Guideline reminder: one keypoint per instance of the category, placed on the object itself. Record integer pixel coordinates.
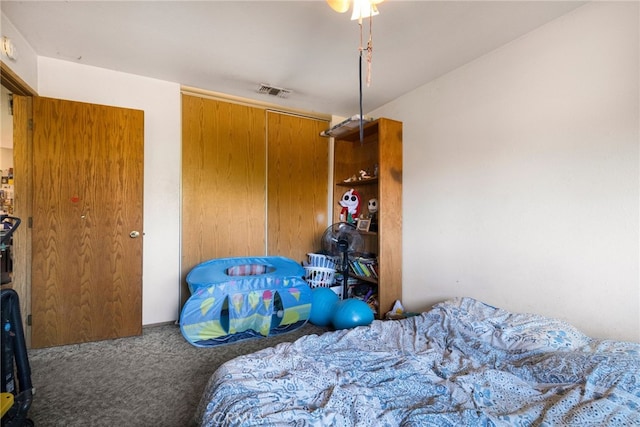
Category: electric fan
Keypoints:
(340, 240)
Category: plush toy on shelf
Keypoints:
(350, 203)
(373, 206)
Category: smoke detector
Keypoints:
(8, 48)
(274, 91)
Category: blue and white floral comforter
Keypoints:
(463, 363)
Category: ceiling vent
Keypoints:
(274, 91)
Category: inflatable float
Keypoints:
(233, 299)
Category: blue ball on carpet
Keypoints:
(350, 313)
(323, 304)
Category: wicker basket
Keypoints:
(319, 276)
(320, 260)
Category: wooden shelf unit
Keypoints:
(381, 146)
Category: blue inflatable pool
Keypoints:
(239, 298)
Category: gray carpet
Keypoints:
(152, 380)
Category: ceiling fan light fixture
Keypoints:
(364, 9)
(340, 6)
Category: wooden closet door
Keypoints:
(297, 182)
(223, 182)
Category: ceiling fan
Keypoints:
(361, 8)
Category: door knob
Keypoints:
(134, 234)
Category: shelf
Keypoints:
(352, 134)
(357, 182)
(346, 127)
(380, 145)
(365, 278)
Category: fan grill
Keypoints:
(340, 241)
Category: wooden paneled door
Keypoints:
(298, 171)
(223, 182)
(87, 222)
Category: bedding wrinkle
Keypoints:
(463, 363)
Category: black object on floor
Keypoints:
(16, 372)
(15, 382)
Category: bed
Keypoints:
(461, 363)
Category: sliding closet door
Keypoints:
(254, 182)
(297, 171)
(223, 181)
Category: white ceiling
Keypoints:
(233, 46)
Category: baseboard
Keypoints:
(154, 325)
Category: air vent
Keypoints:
(274, 91)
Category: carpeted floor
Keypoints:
(153, 380)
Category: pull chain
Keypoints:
(369, 50)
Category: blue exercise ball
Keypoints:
(350, 313)
(323, 301)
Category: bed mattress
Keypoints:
(461, 363)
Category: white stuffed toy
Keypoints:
(350, 203)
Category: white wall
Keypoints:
(521, 177)
(6, 132)
(25, 62)
(160, 101)
(6, 120)
(6, 142)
